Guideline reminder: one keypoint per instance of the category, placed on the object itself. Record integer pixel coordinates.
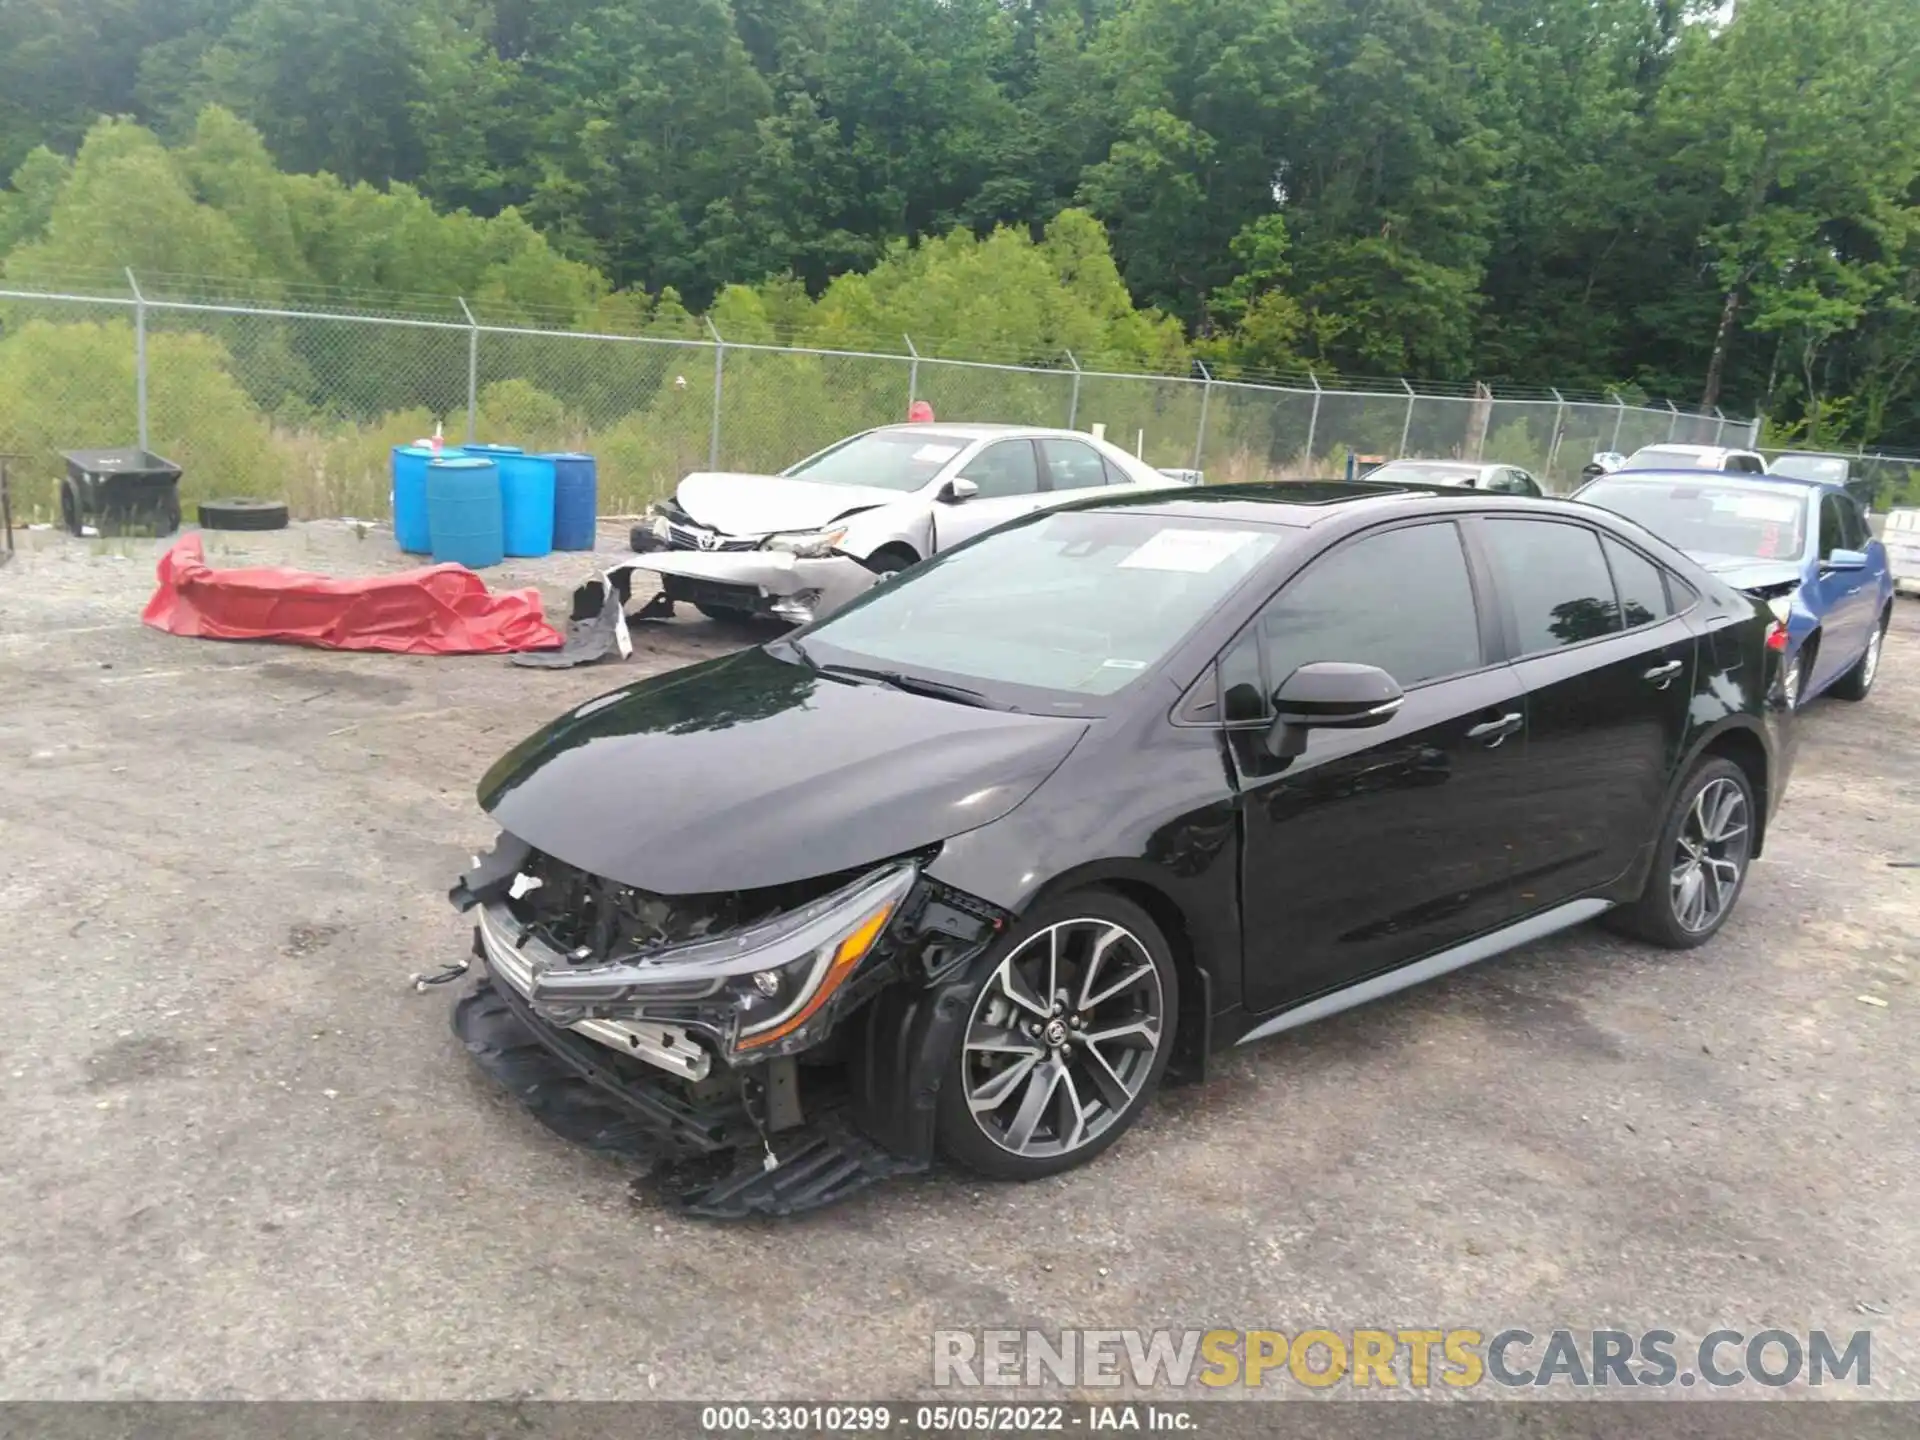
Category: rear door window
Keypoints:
(1639, 583)
(1556, 582)
(1071, 465)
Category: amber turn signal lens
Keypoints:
(848, 954)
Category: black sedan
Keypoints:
(970, 864)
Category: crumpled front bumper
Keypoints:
(772, 583)
(730, 1134)
(701, 1153)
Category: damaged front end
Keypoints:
(782, 1044)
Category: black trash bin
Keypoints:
(120, 490)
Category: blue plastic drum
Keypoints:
(526, 503)
(410, 463)
(575, 501)
(464, 512)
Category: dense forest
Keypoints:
(1711, 202)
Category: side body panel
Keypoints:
(1606, 723)
(1376, 847)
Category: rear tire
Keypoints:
(1855, 684)
(1700, 862)
(1041, 1085)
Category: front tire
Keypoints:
(890, 560)
(1700, 864)
(1855, 684)
(1069, 1028)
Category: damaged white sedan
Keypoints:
(799, 545)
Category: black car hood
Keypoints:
(747, 771)
(1745, 574)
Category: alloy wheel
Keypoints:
(1063, 1037)
(1710, 855)
(1870, 662)
(1790, 686)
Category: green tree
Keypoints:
(335, 87)
(652, 118)
(128, 203)
(1798, 122)
(1205, 93)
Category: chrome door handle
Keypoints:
(1661, 676)
(1492, 732)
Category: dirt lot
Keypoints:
(242, 1158)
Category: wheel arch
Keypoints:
(1809, 649)
(872, 530)
(893, 549)
(1192, 964)
(1743, 746)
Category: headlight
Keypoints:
(657, 524)
(806, 544)
(778, 975)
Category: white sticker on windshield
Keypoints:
(936, 454)
(1767, 507)
(1194, 551)
(1106, 665)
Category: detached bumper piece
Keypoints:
(705, 1157)
(820, 1164)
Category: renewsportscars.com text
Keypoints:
(1411, 1358)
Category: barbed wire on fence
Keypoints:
(265, 387)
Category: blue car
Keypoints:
(1801, 546)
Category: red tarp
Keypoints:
(437, 610)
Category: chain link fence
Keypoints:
(255, 393)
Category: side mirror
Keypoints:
(1844, 560)
(1330, 695)
(958, 489)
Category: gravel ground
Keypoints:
(243, 1158)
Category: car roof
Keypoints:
(1730, 479)
(1688, 448)
(1302, 504)
(1475, 466)
(970, 431)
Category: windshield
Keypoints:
(884, 459)
(1074, 603)
(1810, 467)
(1711, 522)
(1668, 457)
(1423, 472)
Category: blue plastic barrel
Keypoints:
(463, 511)
(410, 528)
(494, 450)
(526, 503)
(575, 501)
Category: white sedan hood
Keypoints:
(761, 504)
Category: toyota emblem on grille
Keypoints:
(709, 541)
